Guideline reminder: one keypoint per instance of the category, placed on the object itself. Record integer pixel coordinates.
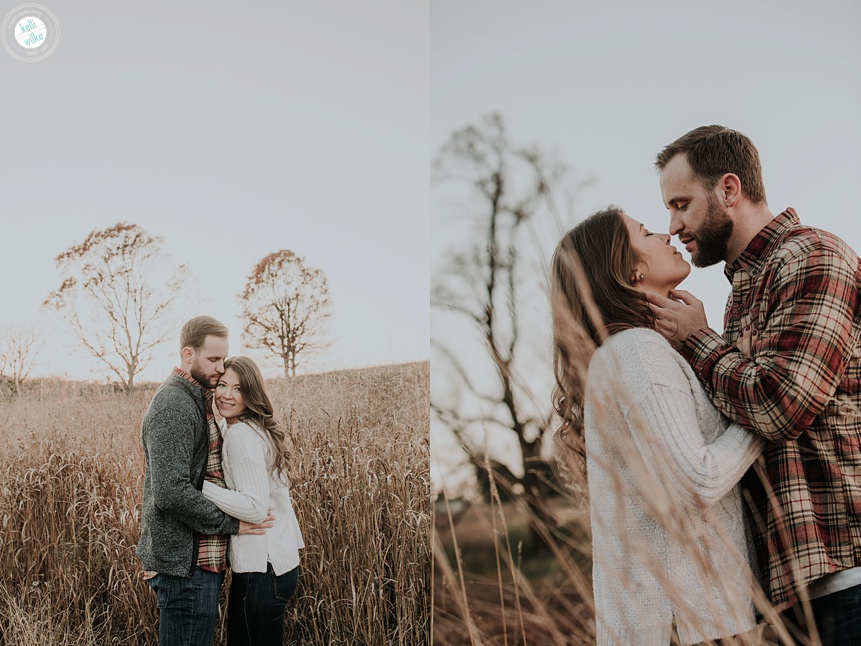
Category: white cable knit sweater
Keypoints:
(668, 531)
(252, 491)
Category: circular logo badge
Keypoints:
(30, 32)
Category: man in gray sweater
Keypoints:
(183, 545)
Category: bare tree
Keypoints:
(18, 351)
(117, 292)
(485, 285)
(285, 304)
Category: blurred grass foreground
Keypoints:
(507, 573)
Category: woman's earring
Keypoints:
(642, 277)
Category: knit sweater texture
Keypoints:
(670, 539)
(252, 492)
(175, 440)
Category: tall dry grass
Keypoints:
(71, 478)
(496, 581)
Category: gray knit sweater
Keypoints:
(668, 530)
(175, 439)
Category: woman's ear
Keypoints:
(637, 276)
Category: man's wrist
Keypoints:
(699, 347)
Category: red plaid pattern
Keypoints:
(212, 553)
(800, 289)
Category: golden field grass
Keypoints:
(495, 582)
(71, 479)
(498, 581)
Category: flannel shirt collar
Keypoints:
(757, 251)
(207, 393)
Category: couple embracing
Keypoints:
(718, 465)
(216, 485)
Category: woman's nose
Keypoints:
(665, 237)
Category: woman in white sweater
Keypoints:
(266, 567)
(669, 535)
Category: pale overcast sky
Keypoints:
(232, 131)
(606, 84)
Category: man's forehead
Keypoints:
(214, 344)
(678, 179)
(677, 169)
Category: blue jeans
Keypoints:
(837, 615)
(255, 608)
(187, 607)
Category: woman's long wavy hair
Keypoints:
(259, 411)
(592, 297)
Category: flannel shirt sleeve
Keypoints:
(799, 357)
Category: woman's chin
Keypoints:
(674, 286)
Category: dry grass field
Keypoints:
(71, 478)
(499, 579)
(496, 582)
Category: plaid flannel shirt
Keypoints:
(799, 288)
(212, 554)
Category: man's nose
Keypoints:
(219, 367)
(676, 224)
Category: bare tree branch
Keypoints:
(18, 350)
(462, 372)
(117, 290)
(285, 305)
(483, 282)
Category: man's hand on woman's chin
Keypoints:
(679, 316)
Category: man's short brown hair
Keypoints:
(714, 151)
(195, 331)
